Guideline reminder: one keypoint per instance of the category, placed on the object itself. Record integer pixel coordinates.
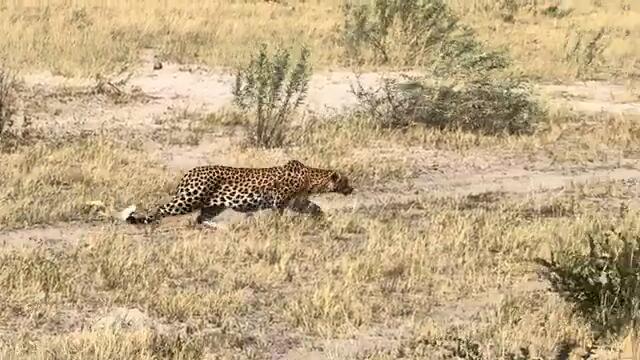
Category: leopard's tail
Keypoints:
(130, 216)
(127, 213)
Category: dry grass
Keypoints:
(51, 182)
(269, 284)
(409, 266)
(105, 345)
(548, 47)
(57, 181)
(288, 277)
(88, 38)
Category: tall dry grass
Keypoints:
(90, 37)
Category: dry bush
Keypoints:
(584, 49)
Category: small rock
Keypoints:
(157, 65)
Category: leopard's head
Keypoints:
(332, 182)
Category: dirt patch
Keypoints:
(507, 181)
(120, 319)
(520, 180)
(53, 236)
(363, 343)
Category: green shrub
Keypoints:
(268, 90)
(477, 95)
(489, 107)
(603, 282)
(10, 135)
(414, 32)
(7, 106)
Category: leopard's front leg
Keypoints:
(303, 205)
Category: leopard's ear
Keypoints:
(335, 176)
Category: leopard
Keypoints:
(212, 189)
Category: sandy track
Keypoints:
(178, 87)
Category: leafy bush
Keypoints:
(7, 106)
(604, 283)
(488, 107)
(268, 90)
(13, 134)
(476, 97)
(414, 32)
(10, 136)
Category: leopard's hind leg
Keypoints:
(174, 207)
(207, 213)
(183, 202)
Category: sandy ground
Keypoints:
(174, 88)
(191, 88)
